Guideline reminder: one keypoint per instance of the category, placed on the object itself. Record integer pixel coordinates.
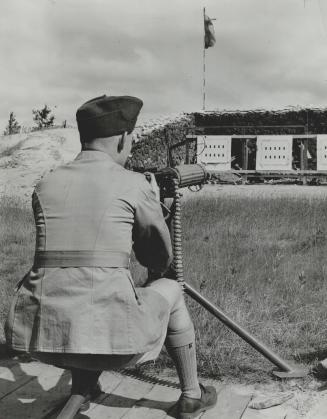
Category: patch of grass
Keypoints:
(262, 261)
(16, 249)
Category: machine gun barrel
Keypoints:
(185, 174)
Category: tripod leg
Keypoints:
(286, 370)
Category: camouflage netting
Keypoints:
(151, 149)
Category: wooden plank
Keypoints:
(187, 152)
(109, 381)
(293, 173)
(242, 137)
(36, 398)
(290, 173)
(118, 403)
(304, 154)
(245, 154)
(156, 405)
(230, 405)
(14, 375)
(309, 136)
(245, 158)
(304, 158)
(160, 403)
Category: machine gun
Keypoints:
(185, 175)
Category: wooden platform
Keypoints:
(33, 390)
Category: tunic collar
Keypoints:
(93, 155)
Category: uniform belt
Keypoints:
(81, 258)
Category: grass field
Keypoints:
(263, 261)
(16, 248)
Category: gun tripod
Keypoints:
(285, 370)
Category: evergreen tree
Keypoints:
(43, 117)
(13, 126)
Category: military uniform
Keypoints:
(79, 297)
(78, 307)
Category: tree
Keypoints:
(43, 117)
(13, 126)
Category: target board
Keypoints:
(214, 151)
(322, 152)
(274, 152)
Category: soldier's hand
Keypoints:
(153, 183)
(168, 210)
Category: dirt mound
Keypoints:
(25, 158)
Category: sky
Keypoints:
(268, 54)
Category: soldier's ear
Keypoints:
(121, 142)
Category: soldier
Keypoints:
(78, 307)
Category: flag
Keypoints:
(209, 33)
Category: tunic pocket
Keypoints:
(22, 326)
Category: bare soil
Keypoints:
(25, 158)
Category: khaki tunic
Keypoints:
(92, 206)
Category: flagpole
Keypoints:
(204, 66)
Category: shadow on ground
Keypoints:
(22, 395)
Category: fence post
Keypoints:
(304, 158)
(245, 158)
